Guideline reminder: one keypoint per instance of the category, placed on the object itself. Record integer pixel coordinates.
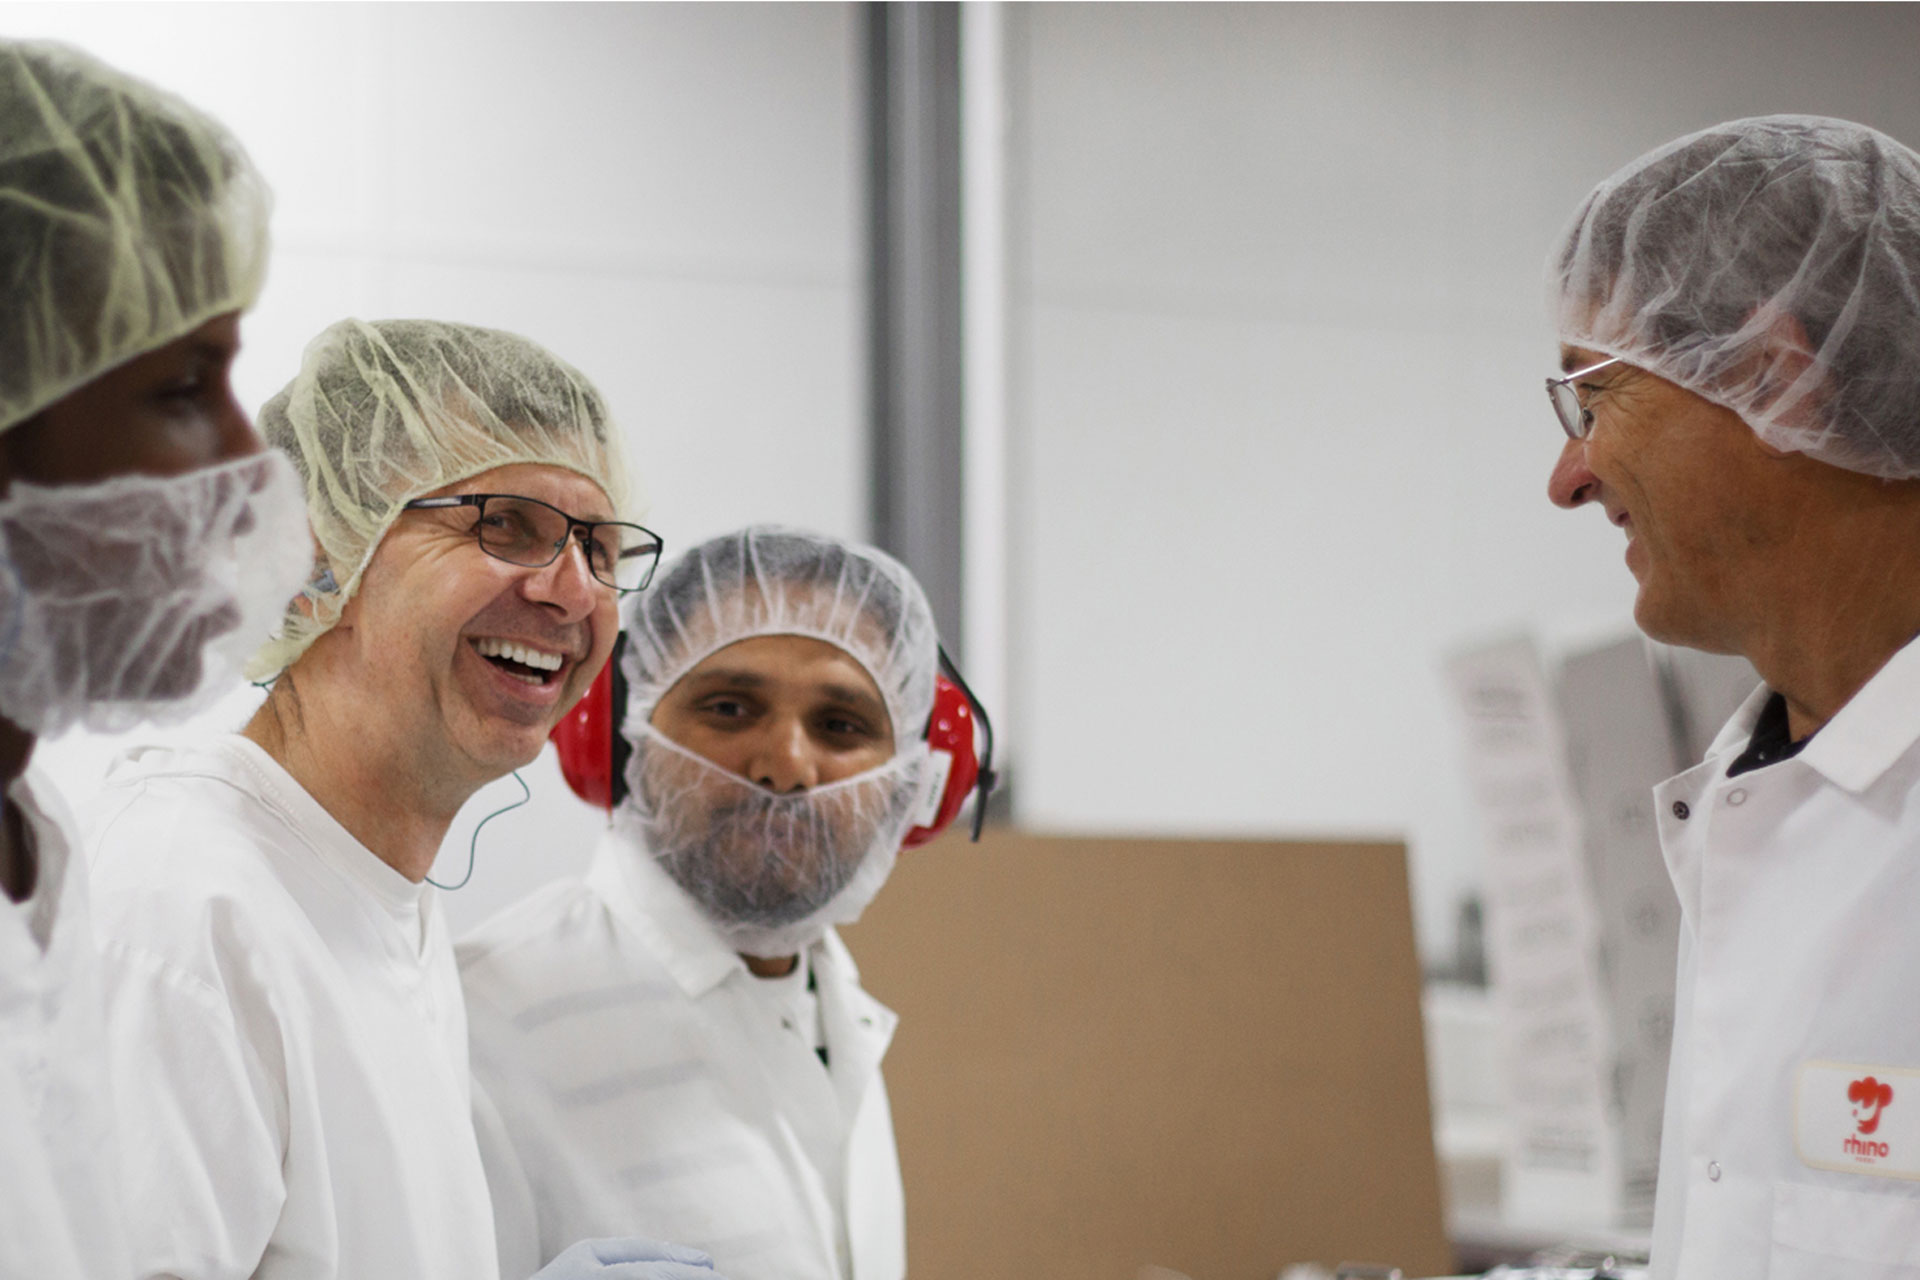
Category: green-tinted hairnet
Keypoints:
(127, 220)
(384, 412)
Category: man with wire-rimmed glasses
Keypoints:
(1739, 317)
(287, 1019)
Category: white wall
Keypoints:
(1279, 435)
(665, 195)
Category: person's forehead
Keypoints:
(573, 493)
(790, 660)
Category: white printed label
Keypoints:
(937, 775)
(1858, 1119)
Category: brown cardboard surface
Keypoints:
(1116, 1054)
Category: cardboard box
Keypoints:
(1117, 1054)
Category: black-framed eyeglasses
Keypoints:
(532, 534)
(1575, 418)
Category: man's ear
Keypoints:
(320, 582)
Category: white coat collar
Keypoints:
(240, 763)
(1738, 730)
(859, 1028)
(1876, 727)
(671, 925)
(660, 913)
(59, 878)
(269, 781)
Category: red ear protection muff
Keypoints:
(957, 768)
(579, 737)
(593, 755)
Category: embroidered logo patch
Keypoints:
(1869, 1098)
(1845, 1119)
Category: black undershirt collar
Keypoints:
(1772, 740)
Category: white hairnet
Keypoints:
(127, 220)
(1691, 261)
(773, 870)
(767, 580)
(386, 411)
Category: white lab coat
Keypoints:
(672, 1086)
(286, 1034)
(1799, 885)
(59, 1190)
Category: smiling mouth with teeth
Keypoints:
(527, 665)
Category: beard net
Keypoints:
(385, 412)
(1688, 261)
(770, 871)
(774, 871)
(140, 597)
(127, 219)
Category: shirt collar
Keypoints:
(1738, 730)
(410, 908)
(1876, 727)
(659, 912)
(59, 876)
(269, 782)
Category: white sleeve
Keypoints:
(60, 1208)
(202, 1115)
(546, 1196)
(40, 1238)
(516, 1221)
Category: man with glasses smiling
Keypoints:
(285, 1020)
(1739, 316)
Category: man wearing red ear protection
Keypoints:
(679, 1042)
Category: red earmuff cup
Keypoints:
(584, 741)
(949, 730)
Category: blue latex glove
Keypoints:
(628, 1258)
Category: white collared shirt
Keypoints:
(1799, 982)
(60, 1207)
(638, 1081)
(286, 1034)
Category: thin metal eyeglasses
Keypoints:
(532, 534)
(1575, 417)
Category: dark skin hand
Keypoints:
(164, 413)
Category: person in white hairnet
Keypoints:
(1739, 317)
(146, 545)
(287, 1037)
(679, 1043)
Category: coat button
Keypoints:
(1713, 1171)
(1737, 796)
(1680, 810)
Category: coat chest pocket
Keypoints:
(1824, 1233)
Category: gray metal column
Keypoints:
(913, 293)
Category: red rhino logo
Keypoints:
(1869, 1098)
